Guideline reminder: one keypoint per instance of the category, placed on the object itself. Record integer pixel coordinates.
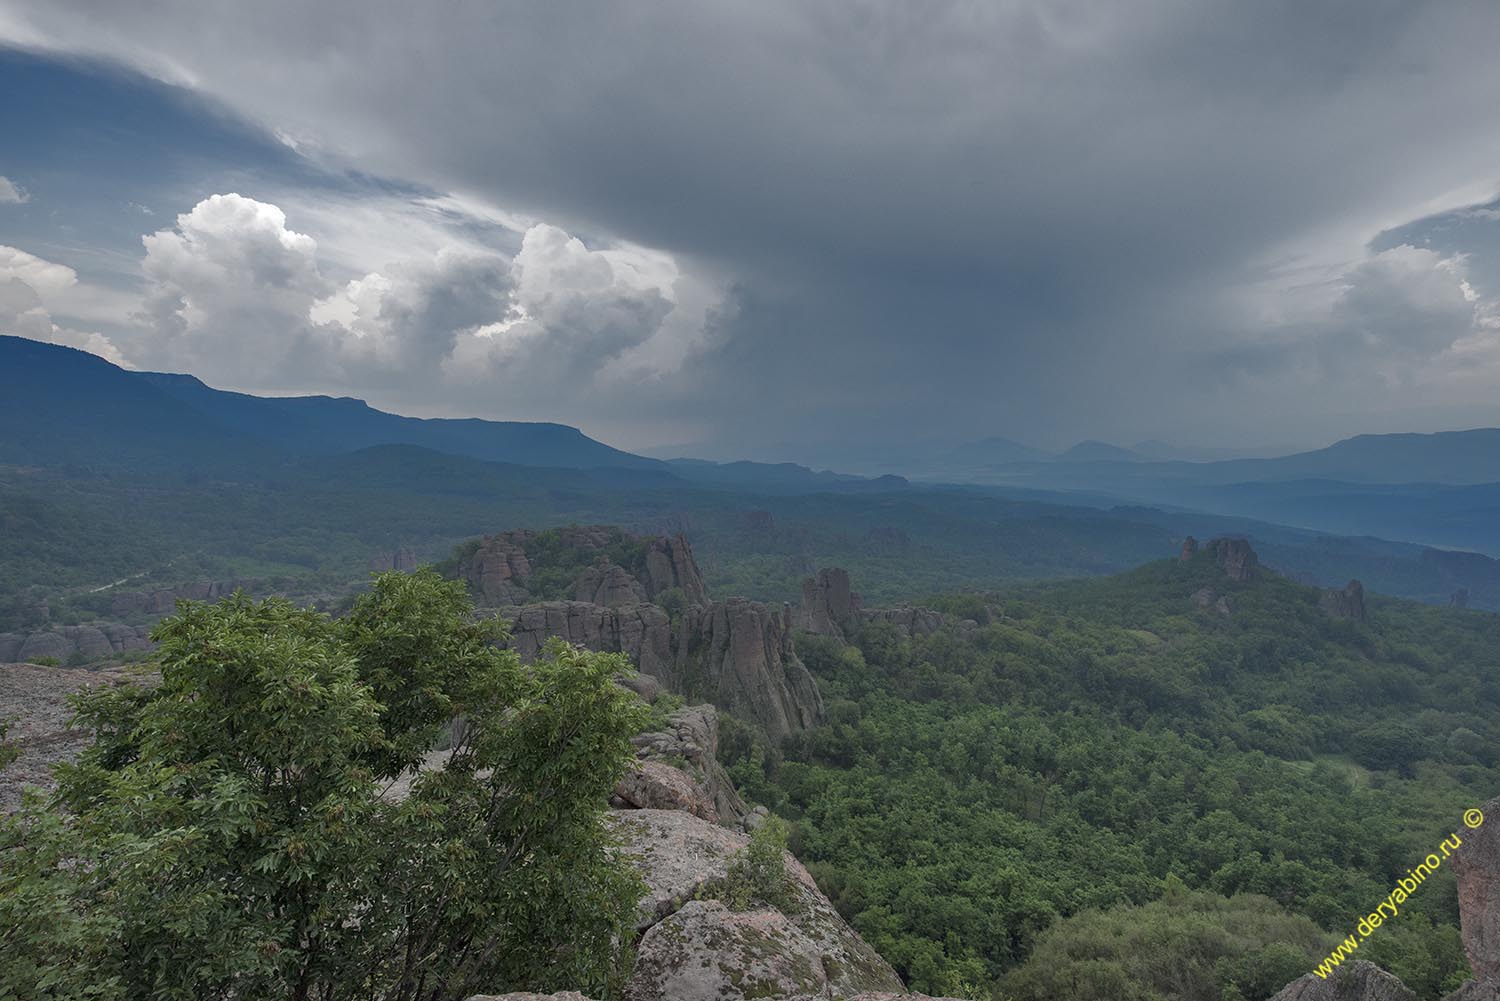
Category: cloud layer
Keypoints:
(865, 220)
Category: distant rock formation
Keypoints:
(1189, 549)
(1345, 603)
(497, 569)
(1459, 598)
(643, 632)
(608, 584)
(164, 600)
(1477, 865)
(738, 654)
(828, 607)
(1235, 556)
(1357, 980)
(403, 559)
(1207, 597)
(65, 643)
(669, 564)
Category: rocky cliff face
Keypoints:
(610, 585)
(669, 564)
(66, 643)
(164, 600)
(830, 608)
(738, 654)
(1345, 603)
(498, 568)
(1477, 865)
(691, 737)
(1235, 556)
(694, 947)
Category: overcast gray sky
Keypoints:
(775, 229)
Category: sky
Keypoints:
(779, 229)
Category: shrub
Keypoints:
(231, 833)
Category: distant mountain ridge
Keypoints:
(61, 406)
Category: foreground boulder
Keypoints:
(1354, 981)
(696, 948)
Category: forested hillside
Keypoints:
(979, 791)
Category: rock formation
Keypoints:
(66, 643)
(1459, 598)
(1189, 549)
(642, 632)
(1358, 980)
(1477, 865)
(403, 559)
(656, 785)
(1235, 556)
(692, 737)
(669, 564)
(498, 568)
(1348, 603)
(164, 600)
(1207, 597)
(828, 607)
(739, 655)
(610, 585)
(693, 947)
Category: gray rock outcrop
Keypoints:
(1358, 980)
(610, 585)
(669, 564)
(642, 632)
(1189, 549)
(828, 607)
(497, 569)
(35, 701)
(692, 738)
(1235, 556)
(1477, 865)
(1459, 598)
(738, 654)
(695, 948)
(1345, 603)
(65, 643)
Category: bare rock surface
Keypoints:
(1354, 981)
(698, 949)
(1345, 603)
(739, 654)
(63, 643)
(525, 996)
(692, 737)
(1235, 556)
(642, 632)
(828, 606)
(669, 564)
(34, 701)
(1477, 865)
(610, 585)
(656, 785)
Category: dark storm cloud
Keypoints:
(1046, 219)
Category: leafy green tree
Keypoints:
(240, 830)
